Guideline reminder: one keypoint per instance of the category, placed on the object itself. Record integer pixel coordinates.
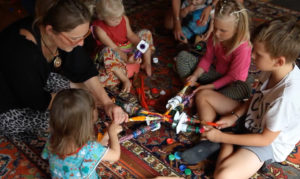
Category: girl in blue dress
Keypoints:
(72, 149)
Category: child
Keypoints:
(191, 11)
(72, 150)
(224, 67)
(272, 116)
(112, 29)
(177, 17)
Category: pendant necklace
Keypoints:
(57, 60)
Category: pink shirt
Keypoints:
(233, 67)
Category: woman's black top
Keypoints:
(24, 70)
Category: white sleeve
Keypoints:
(279, 115)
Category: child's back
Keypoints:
(72, 150)
(82, 163)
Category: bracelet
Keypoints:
(236, 115)
(177, 18)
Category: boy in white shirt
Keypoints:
(272, 116)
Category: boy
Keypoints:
(272, 126)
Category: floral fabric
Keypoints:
(78, 165)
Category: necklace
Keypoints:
(57, 60)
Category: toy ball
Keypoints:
(170, 141)
(182, 167)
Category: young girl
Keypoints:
(112, 29)
(225, 65)
(72, 150)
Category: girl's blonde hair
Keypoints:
(71, 119)
(237, 10)
(109, 8)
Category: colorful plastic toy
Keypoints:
(142, 47)
(139, 132)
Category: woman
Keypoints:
(42, 56)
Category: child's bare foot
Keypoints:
(126, 86)
(147, 68)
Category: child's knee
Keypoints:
(203, 94)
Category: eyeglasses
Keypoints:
(75, 40)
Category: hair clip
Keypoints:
(236, 12)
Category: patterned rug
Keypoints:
(147, 156)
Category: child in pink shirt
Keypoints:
(225, 65)
(224, 68)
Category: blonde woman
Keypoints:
(112, 30)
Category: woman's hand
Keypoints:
(212, 134)
(226, 121)
(116, 113)
(177, 31)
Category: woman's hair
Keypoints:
(109, 8)
(71, 119)
(225, 8)
(62, 15)
(281, 37)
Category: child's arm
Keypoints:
(206, 12)
(210, 29)
(230, 119)
(185, 11)
(132, 37)
(259, 139)
(114, 152)
(105, 39)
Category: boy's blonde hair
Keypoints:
(109, 8)
(281, 37)
(237, 10)
(71, 119)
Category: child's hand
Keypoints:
(226, 121)
(201, 87)
(126, 86)
(132, 60)
(204, 16)
(192, 79)
(114, 128)
(191, 8)
(212, 134)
